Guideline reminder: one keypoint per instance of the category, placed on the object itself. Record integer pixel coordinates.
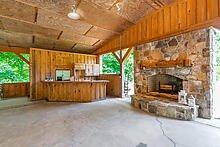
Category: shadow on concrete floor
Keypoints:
(16, 102)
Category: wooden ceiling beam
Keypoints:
(33, 39)
(152, 6)
(36, 14)
(96, 42)
(157, 3)
(88, 30)
(61, 32)
(14, 49)
(38, 34)
(115, 2)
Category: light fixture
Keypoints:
(74, 15)
(120, 4)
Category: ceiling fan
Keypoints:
(73, 14)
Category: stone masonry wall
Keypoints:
(195, 46)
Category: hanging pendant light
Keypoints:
(74, 15)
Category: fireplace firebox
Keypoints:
(163, 83)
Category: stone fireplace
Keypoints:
(164, 67)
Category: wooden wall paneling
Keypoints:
(131, 34)
(31, 73)
(139, 32)
(44, 62)
(212, 9)
(154, 23)
(146, 30)
(37, 74)
(113, 88)
(201, 10)
(191, 12)
(218, 7)
(160, 22)
(127, 37)
(167, 19)
(43, 71)
(149, 29)
(174, 17)
(142, 29)
(15, 90)
(182, 15)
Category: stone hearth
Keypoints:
(164, 107)
(185, 61)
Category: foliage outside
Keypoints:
(110, 65)
(13, 69)
(218, 56)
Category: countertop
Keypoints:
(86, 81)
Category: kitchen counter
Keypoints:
(85, 81)
(75, 91)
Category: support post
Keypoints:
(122, 73)
(121, 59)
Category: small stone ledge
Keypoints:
(166, 108)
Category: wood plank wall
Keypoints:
(14, 90)
(45, 62)
(179, 17)
(114, 86)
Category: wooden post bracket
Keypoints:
(116, 56)
(122, 58)
(128, 52)
(22, 58)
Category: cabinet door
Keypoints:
(96, 69)
(89, 70)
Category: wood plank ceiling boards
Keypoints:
(44, 23)
(178, 17)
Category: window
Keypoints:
(63, 75)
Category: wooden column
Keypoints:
(121, 59)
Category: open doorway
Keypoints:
(14, 77)
(118, 68)
(129, 74)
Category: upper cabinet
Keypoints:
(90, 69)
(79, 66)
(96, 69)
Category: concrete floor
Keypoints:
(15, 102)
(109, 123)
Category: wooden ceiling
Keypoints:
(44, 23)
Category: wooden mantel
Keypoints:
(165, 64)
(178, 17)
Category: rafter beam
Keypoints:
(14, 49)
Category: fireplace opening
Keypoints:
(163, 83)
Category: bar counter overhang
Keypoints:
(75, 91)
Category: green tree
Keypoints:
(13, 69)
(110, 65)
